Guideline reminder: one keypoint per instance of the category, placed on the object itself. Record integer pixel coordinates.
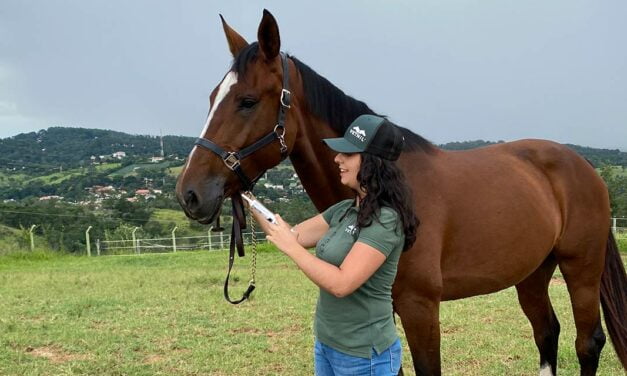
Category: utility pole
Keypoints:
(161, 134)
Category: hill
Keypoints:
(62, 148)
(59, 148)
(598, 157)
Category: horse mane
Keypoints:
(327, 101)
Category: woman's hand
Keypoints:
(282, 236)
(259, 218)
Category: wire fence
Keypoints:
(619, 228)
(210, 242)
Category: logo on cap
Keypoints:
(359, 133)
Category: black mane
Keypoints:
(327, 101)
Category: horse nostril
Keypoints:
(191, 199)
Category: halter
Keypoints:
(232, 160)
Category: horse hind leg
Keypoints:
(533, 296)
(582, 274)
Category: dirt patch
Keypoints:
(254, 331)
(55, 354)
(294, 328)
(152, 359)
(451, 329)
(280, 339)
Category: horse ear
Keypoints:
(236, 41)
(268, 36)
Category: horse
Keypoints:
(490, 218)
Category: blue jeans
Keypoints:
(330, 362)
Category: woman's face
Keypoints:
(349, 168)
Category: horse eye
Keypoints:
(247, 103)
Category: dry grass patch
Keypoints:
(55, 354)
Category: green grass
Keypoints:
(10, 239)
(11, 178)
(165, 314)
(52, 178)
(134, 168)
(617, 171)
(622, 245)
(176, 216)
(175, 171)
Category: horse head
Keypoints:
(243, 135)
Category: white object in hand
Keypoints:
(258, 206)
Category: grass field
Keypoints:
(52, 178)
(165, 315)
(135, 168)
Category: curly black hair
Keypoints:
(385, 185)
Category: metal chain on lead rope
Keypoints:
(253, 265)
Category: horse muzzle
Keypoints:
(201, 202)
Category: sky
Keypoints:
(451, 70)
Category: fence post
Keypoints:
(87, 241)
(134, 239)
(32, 239)
(174, 239)
(221, 239)
(614, 225)
(98, 246)
(209, 238)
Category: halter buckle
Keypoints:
(232, 160)
(286, 98)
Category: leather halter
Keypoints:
(232, 160)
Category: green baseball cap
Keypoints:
(370, 134)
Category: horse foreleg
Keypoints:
(533, 295)
(421, 322)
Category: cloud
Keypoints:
(11, 120)
(8, 109)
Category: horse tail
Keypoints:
(614, 299)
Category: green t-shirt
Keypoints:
(363, 320)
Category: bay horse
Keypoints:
(490, 218)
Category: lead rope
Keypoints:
(253, 265)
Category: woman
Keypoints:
(358, 243)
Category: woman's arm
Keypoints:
(310, 231)
(359, 265)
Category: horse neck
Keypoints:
(314, 164)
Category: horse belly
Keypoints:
(499, 232)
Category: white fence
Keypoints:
(211, 241)
(619, 228)
(221, 240)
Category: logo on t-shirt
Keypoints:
(350, 229)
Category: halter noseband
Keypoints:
(232, 158)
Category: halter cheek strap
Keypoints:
(232, 159)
